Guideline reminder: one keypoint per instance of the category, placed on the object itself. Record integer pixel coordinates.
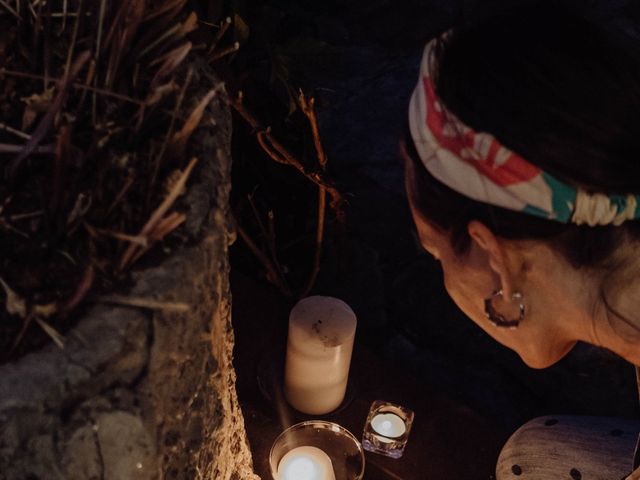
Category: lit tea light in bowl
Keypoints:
(387, 429)
(316, 450)
(306, 463)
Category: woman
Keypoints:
(523, 176)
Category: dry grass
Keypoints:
(92, 126)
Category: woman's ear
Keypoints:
(494, 250)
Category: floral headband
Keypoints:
(477, 166)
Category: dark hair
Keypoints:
(558, 88)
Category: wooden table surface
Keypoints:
(448, 441)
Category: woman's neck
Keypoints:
(615, 317)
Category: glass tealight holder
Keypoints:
(387, 429)
(316, 450)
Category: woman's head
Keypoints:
(562, 92)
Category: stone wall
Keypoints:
(139, 393)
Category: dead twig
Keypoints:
(170, 60)
(14, 303)
(10, 10)
(10, 148)
(269, 235)
(172, 31)
(224, 26)
(272, 271)
(148, 303)
(169, 9)
(82, 289)
(25, 326)
(278, 153)
(47, 120)
(101, 14)
(91, 71)
(159, 213)
(164, 227)
(64, 14)
(56, 336)
(74, 35)
(81, 86)
(315, 269)
(181, 137)
(123, 191)
(15, 131)
(26, 216)
(94, 232)
(225, 51)
(308, 109)
(169, 135)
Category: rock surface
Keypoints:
(140, 394)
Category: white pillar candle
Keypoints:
(389, 426)
(319, 347)
(306, 463)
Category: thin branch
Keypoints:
(10, 10)
(322, 201)
(91, 71)
(309, 111)
(101, 13)
(138, 240)
(308, 108)
(225, 51)
(158, 214)
(125, 188)
(26, 216)
(181, 137)
(20, 335)
(47, 120)
(221, 31)
(86, 282)
(164, 227)
(278, 153)
(264, 142)
(170, 130)
(82, 86)
(256, 215)
(56, 336)
(64, 12)
(269, 235)
(272, 272)
(173, 30)
(74, 35)
(15, 131)
(141, 302)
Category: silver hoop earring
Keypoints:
(498, 319)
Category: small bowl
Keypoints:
(342, 448)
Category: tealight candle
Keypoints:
(387, 429)
(389, 426)
(319, 347)
(306, 463)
